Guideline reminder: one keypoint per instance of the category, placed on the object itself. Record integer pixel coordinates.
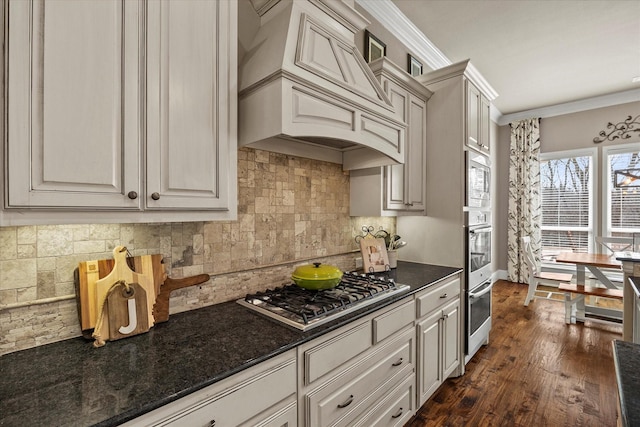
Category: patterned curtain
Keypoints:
(524, 196)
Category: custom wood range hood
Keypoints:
(305, 89)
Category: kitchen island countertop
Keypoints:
(70, 383)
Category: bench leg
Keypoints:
(573, 308)
(568, 308)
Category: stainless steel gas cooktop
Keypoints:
(305, 309)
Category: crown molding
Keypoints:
(388, 14)
(574, 107)
(392, 18)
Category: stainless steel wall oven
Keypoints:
(478, 318)
(478, 282)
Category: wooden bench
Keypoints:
(571, 304)
(591, 290)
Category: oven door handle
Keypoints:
(481, 293)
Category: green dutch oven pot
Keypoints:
(317, 277)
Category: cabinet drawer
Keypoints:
(333, 404)
(430, 299)
(229, 405)
(284, 415)
(396, 409)
(393, 320)
(330, 355)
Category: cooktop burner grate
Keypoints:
(304, 308)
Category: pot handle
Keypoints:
(317, 264)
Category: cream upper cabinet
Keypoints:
(188, 114)
(397, 189)
(128, 108)
(478, 119)
(73, 102)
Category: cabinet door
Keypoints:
(415, 164)
(191, 139)
(395, 194)
(636, 319)
(405, 183)
(478, 119)
(473, 116)
(429, 361)
(485, 124)
(73, 104)
(451, 338)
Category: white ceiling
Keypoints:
(537, 53)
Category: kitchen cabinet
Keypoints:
(263, 395)
(478, 119)
(439, 336)
(401, 188)
(634, 284)
(363, 371)
(447, 148)
(128, 108)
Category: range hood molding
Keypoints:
(305, 90)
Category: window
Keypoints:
(566, 198)
(622, 217)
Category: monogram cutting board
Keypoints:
(89, 273)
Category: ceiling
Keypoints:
(538, 53)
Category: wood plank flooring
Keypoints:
(536, 371)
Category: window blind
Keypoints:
(565, 186)
(624, 202)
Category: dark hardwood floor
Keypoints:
(536, 371)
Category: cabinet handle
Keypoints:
(212, 423)
(397, 413)
(155, 196)
(445, 316)
(408, 204)
(398, 363)
(346, 403)
(444, 295)
(132, 195)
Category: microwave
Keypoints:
(478, 182)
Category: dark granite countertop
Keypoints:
(626, 356)
(70, 383)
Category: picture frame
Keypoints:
(374, 255)
(415, 66)
(374, 48)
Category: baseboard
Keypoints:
(499, 275)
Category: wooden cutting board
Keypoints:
(122, 273)
(89, 272)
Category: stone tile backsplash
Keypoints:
(290, 210)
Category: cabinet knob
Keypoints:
(346, 403)
(155, 196)
(132, 195)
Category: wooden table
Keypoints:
(594, 263)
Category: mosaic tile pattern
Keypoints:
(290, 211)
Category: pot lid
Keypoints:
(317, 271)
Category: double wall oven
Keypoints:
(478, 232)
